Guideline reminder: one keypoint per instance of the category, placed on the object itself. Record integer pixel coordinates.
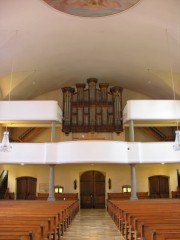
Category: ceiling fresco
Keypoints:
(91, 8)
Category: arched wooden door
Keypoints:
(159, 186)
(92, 190)
(26, 188)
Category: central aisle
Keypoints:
(92, 224)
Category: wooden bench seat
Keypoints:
(165, 235)
(136, 230)
(58, 196)
(138, 219)
(126, 195)
(43, 227)
(135, 222)
(123, 215)
(18, 235)
(46, 220)
(22, 230)
(151, 228)
(47, 223)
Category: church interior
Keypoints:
(89, 100)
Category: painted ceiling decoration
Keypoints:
(91, 8)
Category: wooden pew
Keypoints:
(165, 235)
(55, 217)
(47, 222)
(145, 213)
(16, 236)
(153, 221)
(126, 195)
(58, 196)
(21, 232)
(135, 221)
(175, 194)
(151, 230)
(138, 229)
(41, 228)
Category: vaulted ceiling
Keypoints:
(43, 49)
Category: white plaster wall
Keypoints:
(119, 173)
(41, 172)
(53, 95)
(131, 95)
(139, 135)
(45, 136)
(146, 170)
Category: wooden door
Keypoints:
(92, 190)
(159, 186)
(26, 188)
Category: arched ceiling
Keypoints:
(43, 49)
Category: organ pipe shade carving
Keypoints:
(89, 108)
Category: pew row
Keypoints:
(36, 220)
(146, 219)
(126, 195)
(58, 196)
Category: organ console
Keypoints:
(92, 109)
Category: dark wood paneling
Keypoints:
(26, 188)
(159, 186)
(92, 190)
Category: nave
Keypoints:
(92, 224)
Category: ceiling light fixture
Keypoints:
(176, 145)
(5, 145)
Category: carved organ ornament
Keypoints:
(92, 109)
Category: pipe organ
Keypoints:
(92, 108)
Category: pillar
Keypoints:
(51, 167)
(131, 131)
(133, 166)
(133, 182)
(51, 183)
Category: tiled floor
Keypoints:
(92, 224)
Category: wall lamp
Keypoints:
(109, 183)
(75, 184)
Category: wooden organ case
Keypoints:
(92, 109)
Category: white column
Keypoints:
(51, 167)
(51, 183)
(131, 131)
(133, 166)
(133, 182)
